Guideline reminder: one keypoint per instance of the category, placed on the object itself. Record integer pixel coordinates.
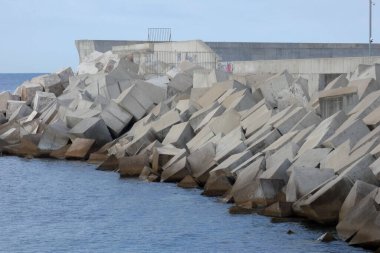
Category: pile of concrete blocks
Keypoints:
(267, 146)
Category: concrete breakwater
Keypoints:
(260, 142)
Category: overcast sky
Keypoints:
(39, 35)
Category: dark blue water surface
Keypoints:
(64, 206)
(10, 82)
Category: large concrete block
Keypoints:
(359, 226)
(230, 144)
(217, 91)
(179, 135)
(201, 161)
(358, 192)
(285, 124)
(287, 152)
(323, 131)
(244, 187)
(176, 171)
(310, 158)
(310, 119)
(42, 99)
(274, 85)
(131, 166)
(50, 82)
(135, 102)
(198, 116)
(21, 112)
(115, 117)
(324, 203)
(228, 165)
(54, 137)
(140, 142)
(366, 106)
(225, 123)
(265, 141)
(5, 96)
(163, 124)
(302, 180)
(182, 83)
(352, 130)
(364, 86)
(92, 128)
(210, 116)
(28, 91)
(80, 148)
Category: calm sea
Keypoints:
(64, 206)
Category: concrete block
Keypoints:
(209, 117)
(132, 166)
(201, 161)
(64, 74)
(28, 91)
(116, 118)
(364, 86)
(265, 141)
(204, 136)
(228, 165)
(230, 144)
(304, 179)
(134, 101)
(12, 106)
(21, 112)
(54, 137)
(92, 128)
(176, 172)
(310, 119)
(287, 152)
(242, 103)
(274, 85)
(244, 187)
(323, 131)
(277, 172)
(358, 226)
(182, 83)
(156, 93)
(140, 142)
(225, 123)
(349, 130)
(285, 124)
(358, 192)
(365, 106)
(50, 82)
(179, 135)
(5, 96)
(199, 115)
(215, 92)
(310, 158)
(163, 124)
(42, 99)
(325, 202)
(256, 120)
(80, 148)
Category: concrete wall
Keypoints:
(302, 66)
(247, 51)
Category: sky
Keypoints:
(39, 35)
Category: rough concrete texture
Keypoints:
(278, 142)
